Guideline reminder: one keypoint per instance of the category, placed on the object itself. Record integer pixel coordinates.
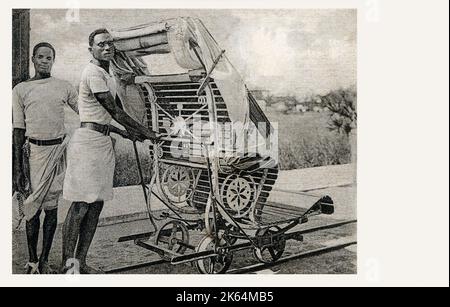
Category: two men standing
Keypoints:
(38, 120)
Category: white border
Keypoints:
(403, 148)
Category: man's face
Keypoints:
(102, 49)
(43, 60)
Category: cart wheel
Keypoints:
(177, 184)
(213, 265)
(238, 194)
(174, 236)
(270, 253)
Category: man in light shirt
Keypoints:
(39, 144)
(90, 167)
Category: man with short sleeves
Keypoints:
(90, 166)
(39, 144)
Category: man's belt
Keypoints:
(46, 142)
(104, 129)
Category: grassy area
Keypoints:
(304, 141)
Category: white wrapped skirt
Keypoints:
(90, 167)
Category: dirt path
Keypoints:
(108, 254)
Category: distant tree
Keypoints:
(342, 105)
(290, 101)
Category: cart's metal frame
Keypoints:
(224, 233)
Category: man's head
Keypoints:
(101, 45)
(43, 58)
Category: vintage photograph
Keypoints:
(184, 141)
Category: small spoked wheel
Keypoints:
(270, 252)
(173, 236)
(177, 184)
(213, 265)
(238, 194)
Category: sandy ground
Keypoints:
(107, 253)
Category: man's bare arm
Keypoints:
(107, 101)
(72, 99)
(18, 141)
(123, 133)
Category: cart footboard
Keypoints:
(273, 213)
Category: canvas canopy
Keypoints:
(178, 36)
(194, 49)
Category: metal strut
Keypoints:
(205, 82)
(144, 188)
(207, 78)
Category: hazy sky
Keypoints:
(285, 51)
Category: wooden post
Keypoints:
(20, 51)
(20, 45)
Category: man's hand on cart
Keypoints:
(141, 136)
(151, 135)
(136, 135)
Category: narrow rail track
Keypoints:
(315, 252)
(260, 266)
